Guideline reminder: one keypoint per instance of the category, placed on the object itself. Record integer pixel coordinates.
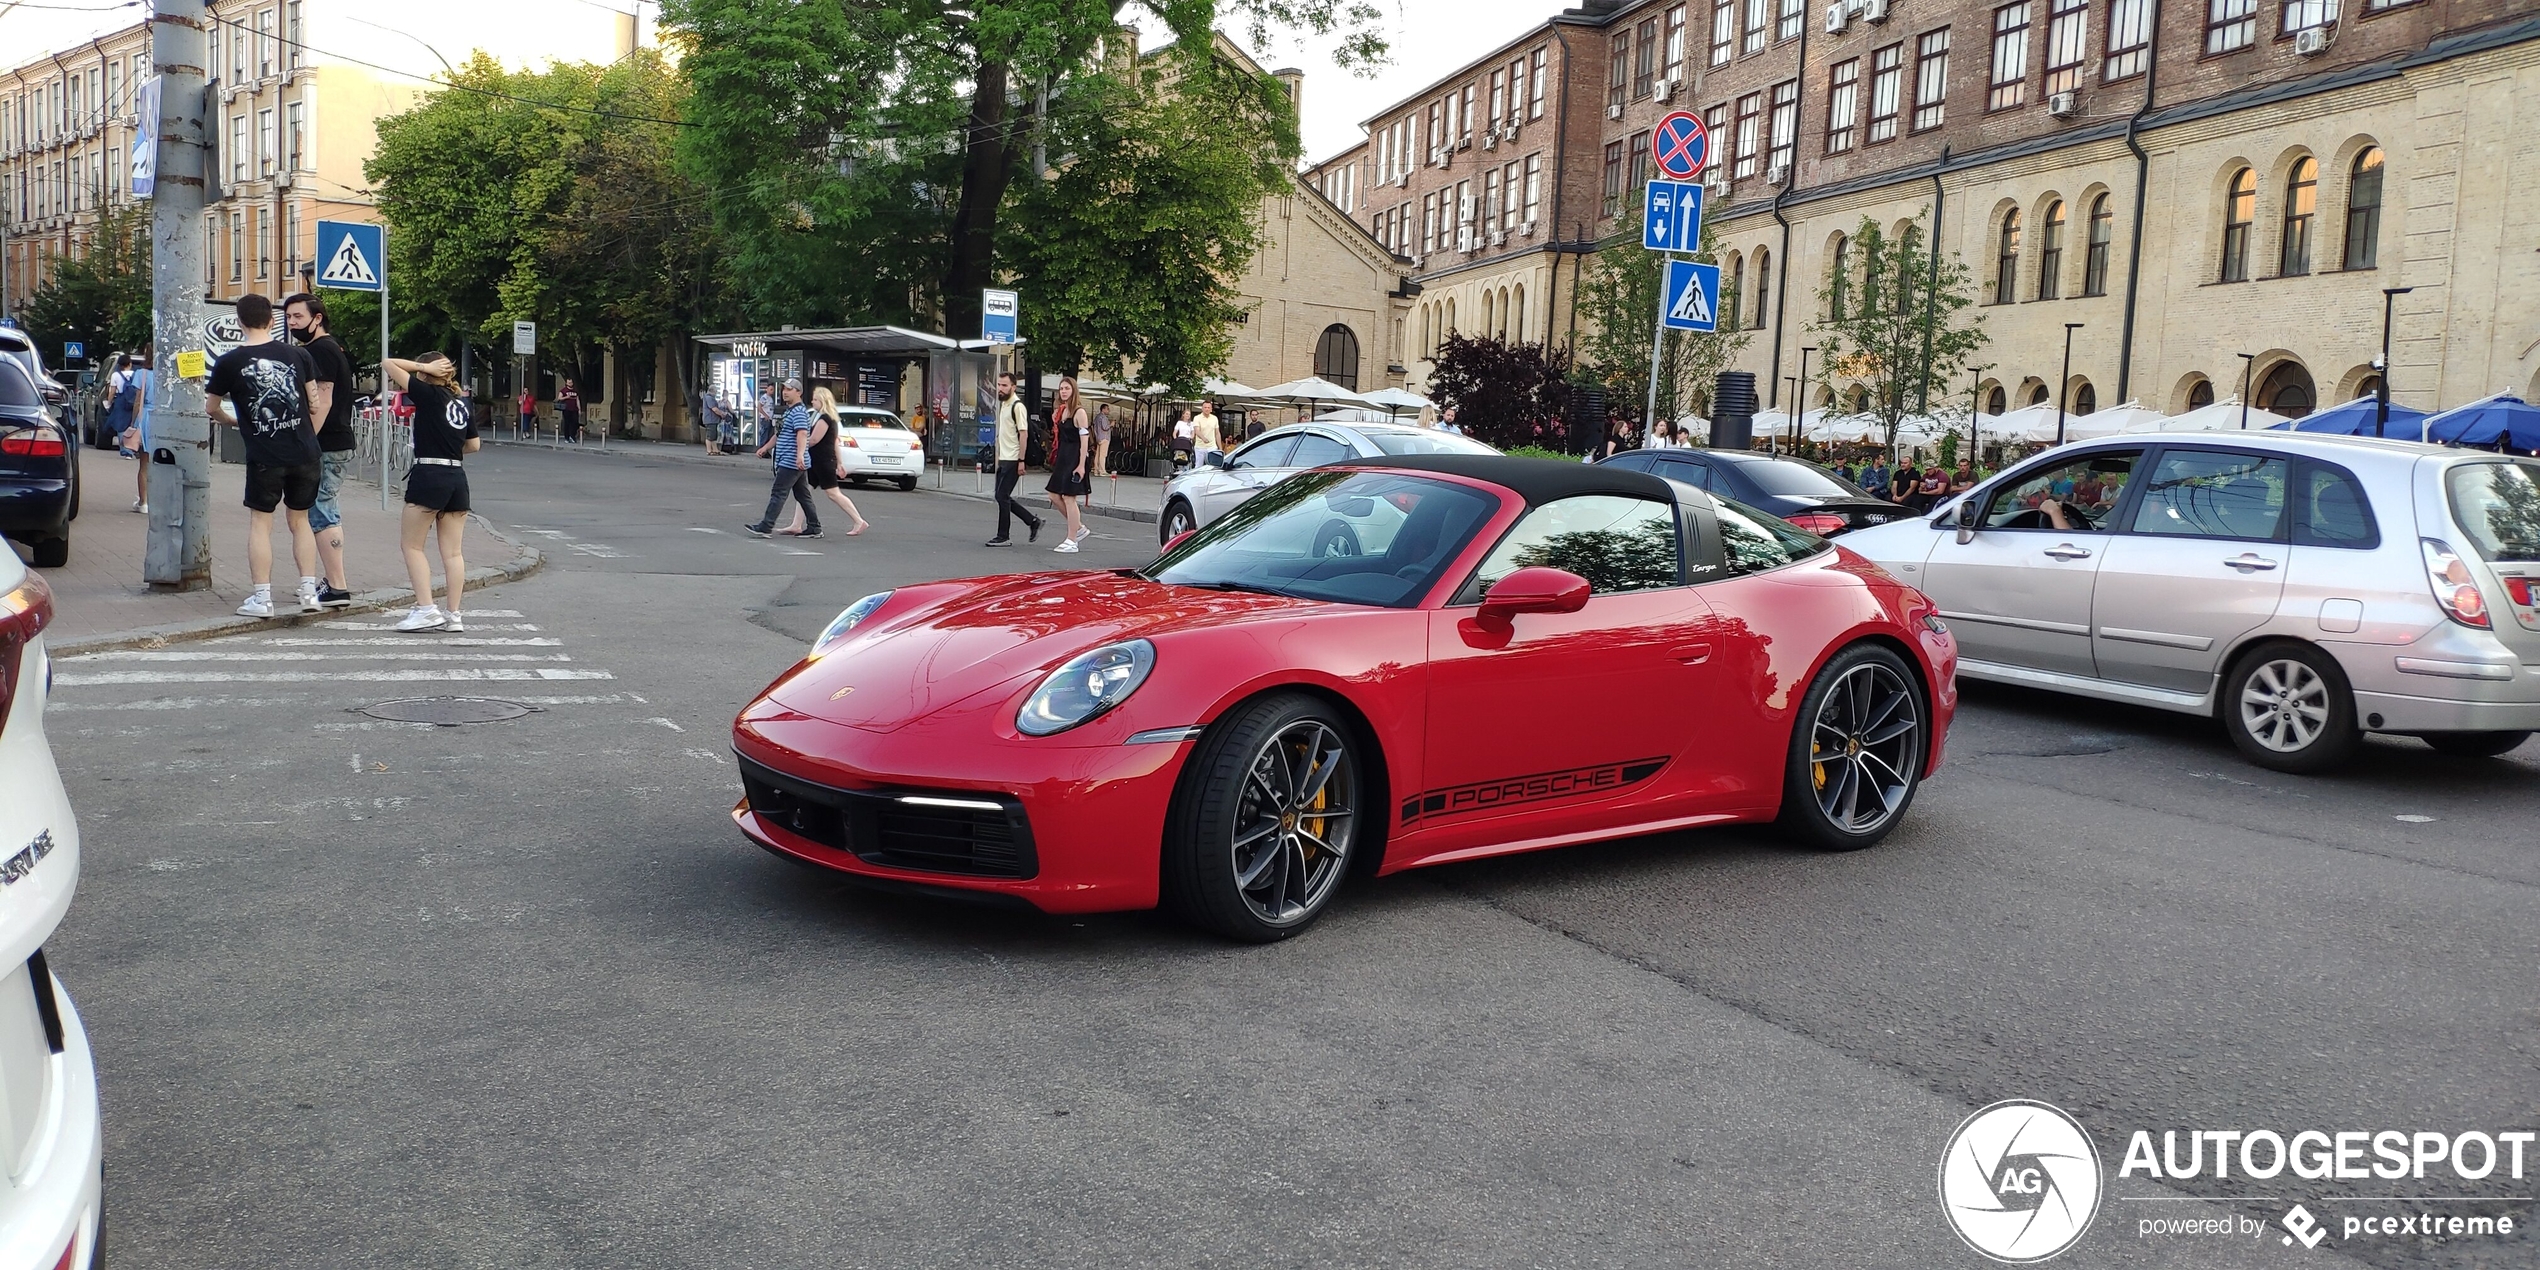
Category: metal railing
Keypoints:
(366, 440)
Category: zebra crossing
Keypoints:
(510, 650)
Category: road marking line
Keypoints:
(175, 703)
(700, 529)
(802, 553)
(135, 654)
(607, 699)
(667, 724)
(454, 641)
(599, 549)
(390, 626)
(91, 679)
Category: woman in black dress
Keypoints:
(821, 461)
(1069, 450)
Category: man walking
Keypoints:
(262, 389)
(792, 480)
(331, 404)
(1012, 426)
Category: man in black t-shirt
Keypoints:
(261, 388)
(331, 407)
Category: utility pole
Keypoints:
(179, 555)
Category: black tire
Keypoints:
(2287, 706)
(1176, 521)
(2475, 744)
(856, 482)
(907, 483)
(1857, 749)
(1336, 538)
(52, 553)
(1239, 858)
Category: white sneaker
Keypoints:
(256, 606)
(450, 623)
(1067, 546)
(139, 506)
(309, 601)
(1082, 533)
(426, 618)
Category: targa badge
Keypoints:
(2020, 1181)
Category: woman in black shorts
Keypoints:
(820, 463)
(436, 488)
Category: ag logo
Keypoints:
(2020, 1181)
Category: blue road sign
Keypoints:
(1671, 218)
(73, 350)
(1692, 297)
(1680, 146)
(999, 311)
(352, 256)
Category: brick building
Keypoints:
(2209, 187)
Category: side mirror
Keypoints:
(1967, 520)
(1214, 458)
(1534, 589)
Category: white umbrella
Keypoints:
(1694, 424)
(1354, 414)
(2221, 416)
(1308, 389)
(1772, 423)
(1399, 399)
(1229, 388)
(2125, 417)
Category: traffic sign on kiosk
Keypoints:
(1680, 146)
(1671, 216)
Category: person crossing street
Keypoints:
(792, 477)
(1013, 426)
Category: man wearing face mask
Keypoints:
(331, 407)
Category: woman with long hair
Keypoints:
(436, 488)
(1070, 449)
(821, 462)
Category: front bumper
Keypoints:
(1095, 814)
(57, 1200)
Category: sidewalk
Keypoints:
(1138, 498)
(100, 601)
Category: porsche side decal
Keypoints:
(1602, 778)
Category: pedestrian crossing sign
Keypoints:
(1691, 298)
(352, 256)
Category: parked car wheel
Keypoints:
(1856, 751)
(1176, 521)
(2288, 707)
(907, 483)
(1260, 838)
(854, 481)
(2475, 744)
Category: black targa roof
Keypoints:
(1538, 481)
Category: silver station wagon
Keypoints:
(2301, 589)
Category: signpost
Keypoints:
(998, 314)
(1671, 221)
(354, 257)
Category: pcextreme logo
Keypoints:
(2020, 1181)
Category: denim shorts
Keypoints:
(331, 465)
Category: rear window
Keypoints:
(1755, 541)
(2498, 506)
(15, 388)
(1798, 477)
(1426, 443)
(857, 419)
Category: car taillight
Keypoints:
(2454, 589)
(24, 613)
(39, 445)
(852, 445)
(1822, 524)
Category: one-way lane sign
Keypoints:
(1671, 216)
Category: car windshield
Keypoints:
(1799, 477)
(860, 419)
(2498, 505)
(1392, 442)
(1380, 538)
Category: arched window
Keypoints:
(1841, 279)
(2201, 396)
(2240, 215)
(1763, 287)
(2287, 391)
(2050, 252)
(2368, 386)
(1521, 313)
(1997, 401)
(2301, 201)
(1336, 356)
(1486, 312)
(1450, 316)
(1502, 326)
(2085, 399)
(2103, 231)
(2037, 396)
(2363, 211)
(1733, 289)
(2006, 260)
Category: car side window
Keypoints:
(1314, 450)
(2330, 510)
(1752, 541)
(1692, 472)
(2214, 494)
(2073, 497)
(1616, 543)
(1266, 452)
(1633, 461)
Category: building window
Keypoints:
(1732, 287)
(1638, 146)
(2006, 260)
(1464, 117)
(1843, 101)
(1534, 188)
(1336, 356)
(1759, 16)
(1887, 83)
(1750, 118)
(2301, 204)
(2288, 391)
(1674, 69)
(293, 32)
(1534, 100)
(2230, 25)
(1428, 223)
(1794, 16)
(260, 230)
(2240, 214)
(1498, 98)
(237, 53)
(1931, 78)
(2085, 399)
(264, 143)
(1715, 124)
(237, 250)
(2094, 265)
(2050, 253)
(2129, 38)
(2302, 15)
(1614, 178)
(1490, 198)
(2200, 396)
(2363, 211)
(1645, 64)
(211, 249)
(265, 42)
(237, 148)
(2067, 38)
(1723, 31)
(1839, 280)
(2010, 57)
(291, 241)
(1618, 69)
(296, 136)
(1785, 126)
(1763, 288)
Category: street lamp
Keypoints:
(1792, 417)
(2381, 394)
(1799, 398)
(2248, 366)
(2063, 387)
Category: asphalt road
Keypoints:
(518, 994)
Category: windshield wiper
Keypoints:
(1243, 587)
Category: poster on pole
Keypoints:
(145, 141)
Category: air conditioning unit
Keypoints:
(1779, 173)
(1420, 261)
(1527, 230)
(1512, 128)
(2311, 42)
(1716, 181)
(1875, 10)
(1498, 238)
(2063, 105)
(1490, 140)
(1614, 111)
(1837, 18)
(1665, 89)
(1464, 241)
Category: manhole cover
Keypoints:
(448, 712)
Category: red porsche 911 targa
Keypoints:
(1364, 668)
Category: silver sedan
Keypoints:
(1221, 484)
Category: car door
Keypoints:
(1254, 467)
(2200, 564)
(2018, 589)
(1563, 722)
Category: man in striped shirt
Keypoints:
(792, 480)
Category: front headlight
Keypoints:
(847, 620)
(1085, 687)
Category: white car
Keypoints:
(1212, 489)
(878, 445)
(2302, 589)
(50, 1137)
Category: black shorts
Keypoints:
(437, 487)
(295, 487)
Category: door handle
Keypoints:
(2248, 560)
(2067, 551)
(1691, 654)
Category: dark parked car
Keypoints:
(39, 470)
(1798, 491)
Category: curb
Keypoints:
(1138, 515)
(525, 561)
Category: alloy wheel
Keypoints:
(2283, 705)
(1293, 822)
(1862, 748)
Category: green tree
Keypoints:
(101, 297)
(1897, 323)
(1618, 304)
(1509, 395)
